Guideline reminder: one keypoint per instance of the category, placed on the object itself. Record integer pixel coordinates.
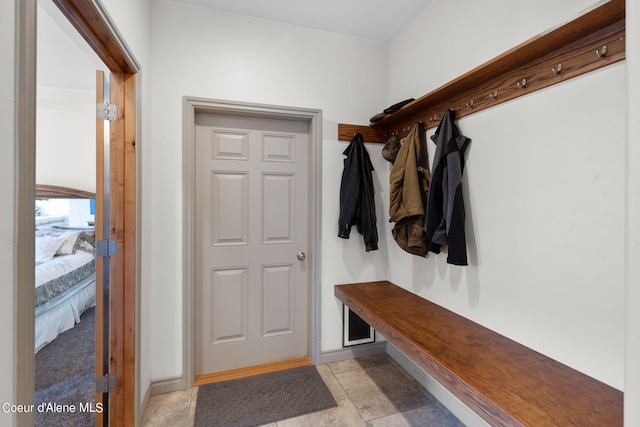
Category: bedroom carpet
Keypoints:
(65, 372)
(262, 399)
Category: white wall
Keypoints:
(65, 118)
(345, 260)
(65, 138)
(544, 190)
(204, 53)
(7, 220)
(447, 40)
(632, 367)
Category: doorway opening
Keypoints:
(65, 321)
(91, 21)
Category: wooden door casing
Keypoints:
(122, 189)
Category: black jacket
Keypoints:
(356, 195)
(444, 221)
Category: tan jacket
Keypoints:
(409, 188)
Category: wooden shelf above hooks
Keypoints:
(591, 41)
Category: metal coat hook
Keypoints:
(557, 69)
(470, 104)
(522, 83)
(433, 118)
(602, 51)
(494, 94)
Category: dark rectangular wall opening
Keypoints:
(356, 331)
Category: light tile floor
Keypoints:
(371, 391)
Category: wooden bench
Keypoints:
(505, 383)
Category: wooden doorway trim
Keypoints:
(90, 19)
(92, 22)
(122, 271)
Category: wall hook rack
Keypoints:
(567, 49)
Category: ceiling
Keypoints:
(378, 20)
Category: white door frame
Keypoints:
(191, 105)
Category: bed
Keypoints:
(65, 269)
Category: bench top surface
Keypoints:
(504, 382)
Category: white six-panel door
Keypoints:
(251, 219)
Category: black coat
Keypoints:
(444, 221)
(356, 195)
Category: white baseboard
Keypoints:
(169, 385)
(166, 386)
(158, 387)
(356, 351)
(452, 403)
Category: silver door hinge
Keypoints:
(106, 111)
(106, 383)
(106, 247)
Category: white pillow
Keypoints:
(68, 244)
(47, 246)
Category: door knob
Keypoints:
(302, 256)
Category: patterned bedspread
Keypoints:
(80, 266)
(59, 269)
